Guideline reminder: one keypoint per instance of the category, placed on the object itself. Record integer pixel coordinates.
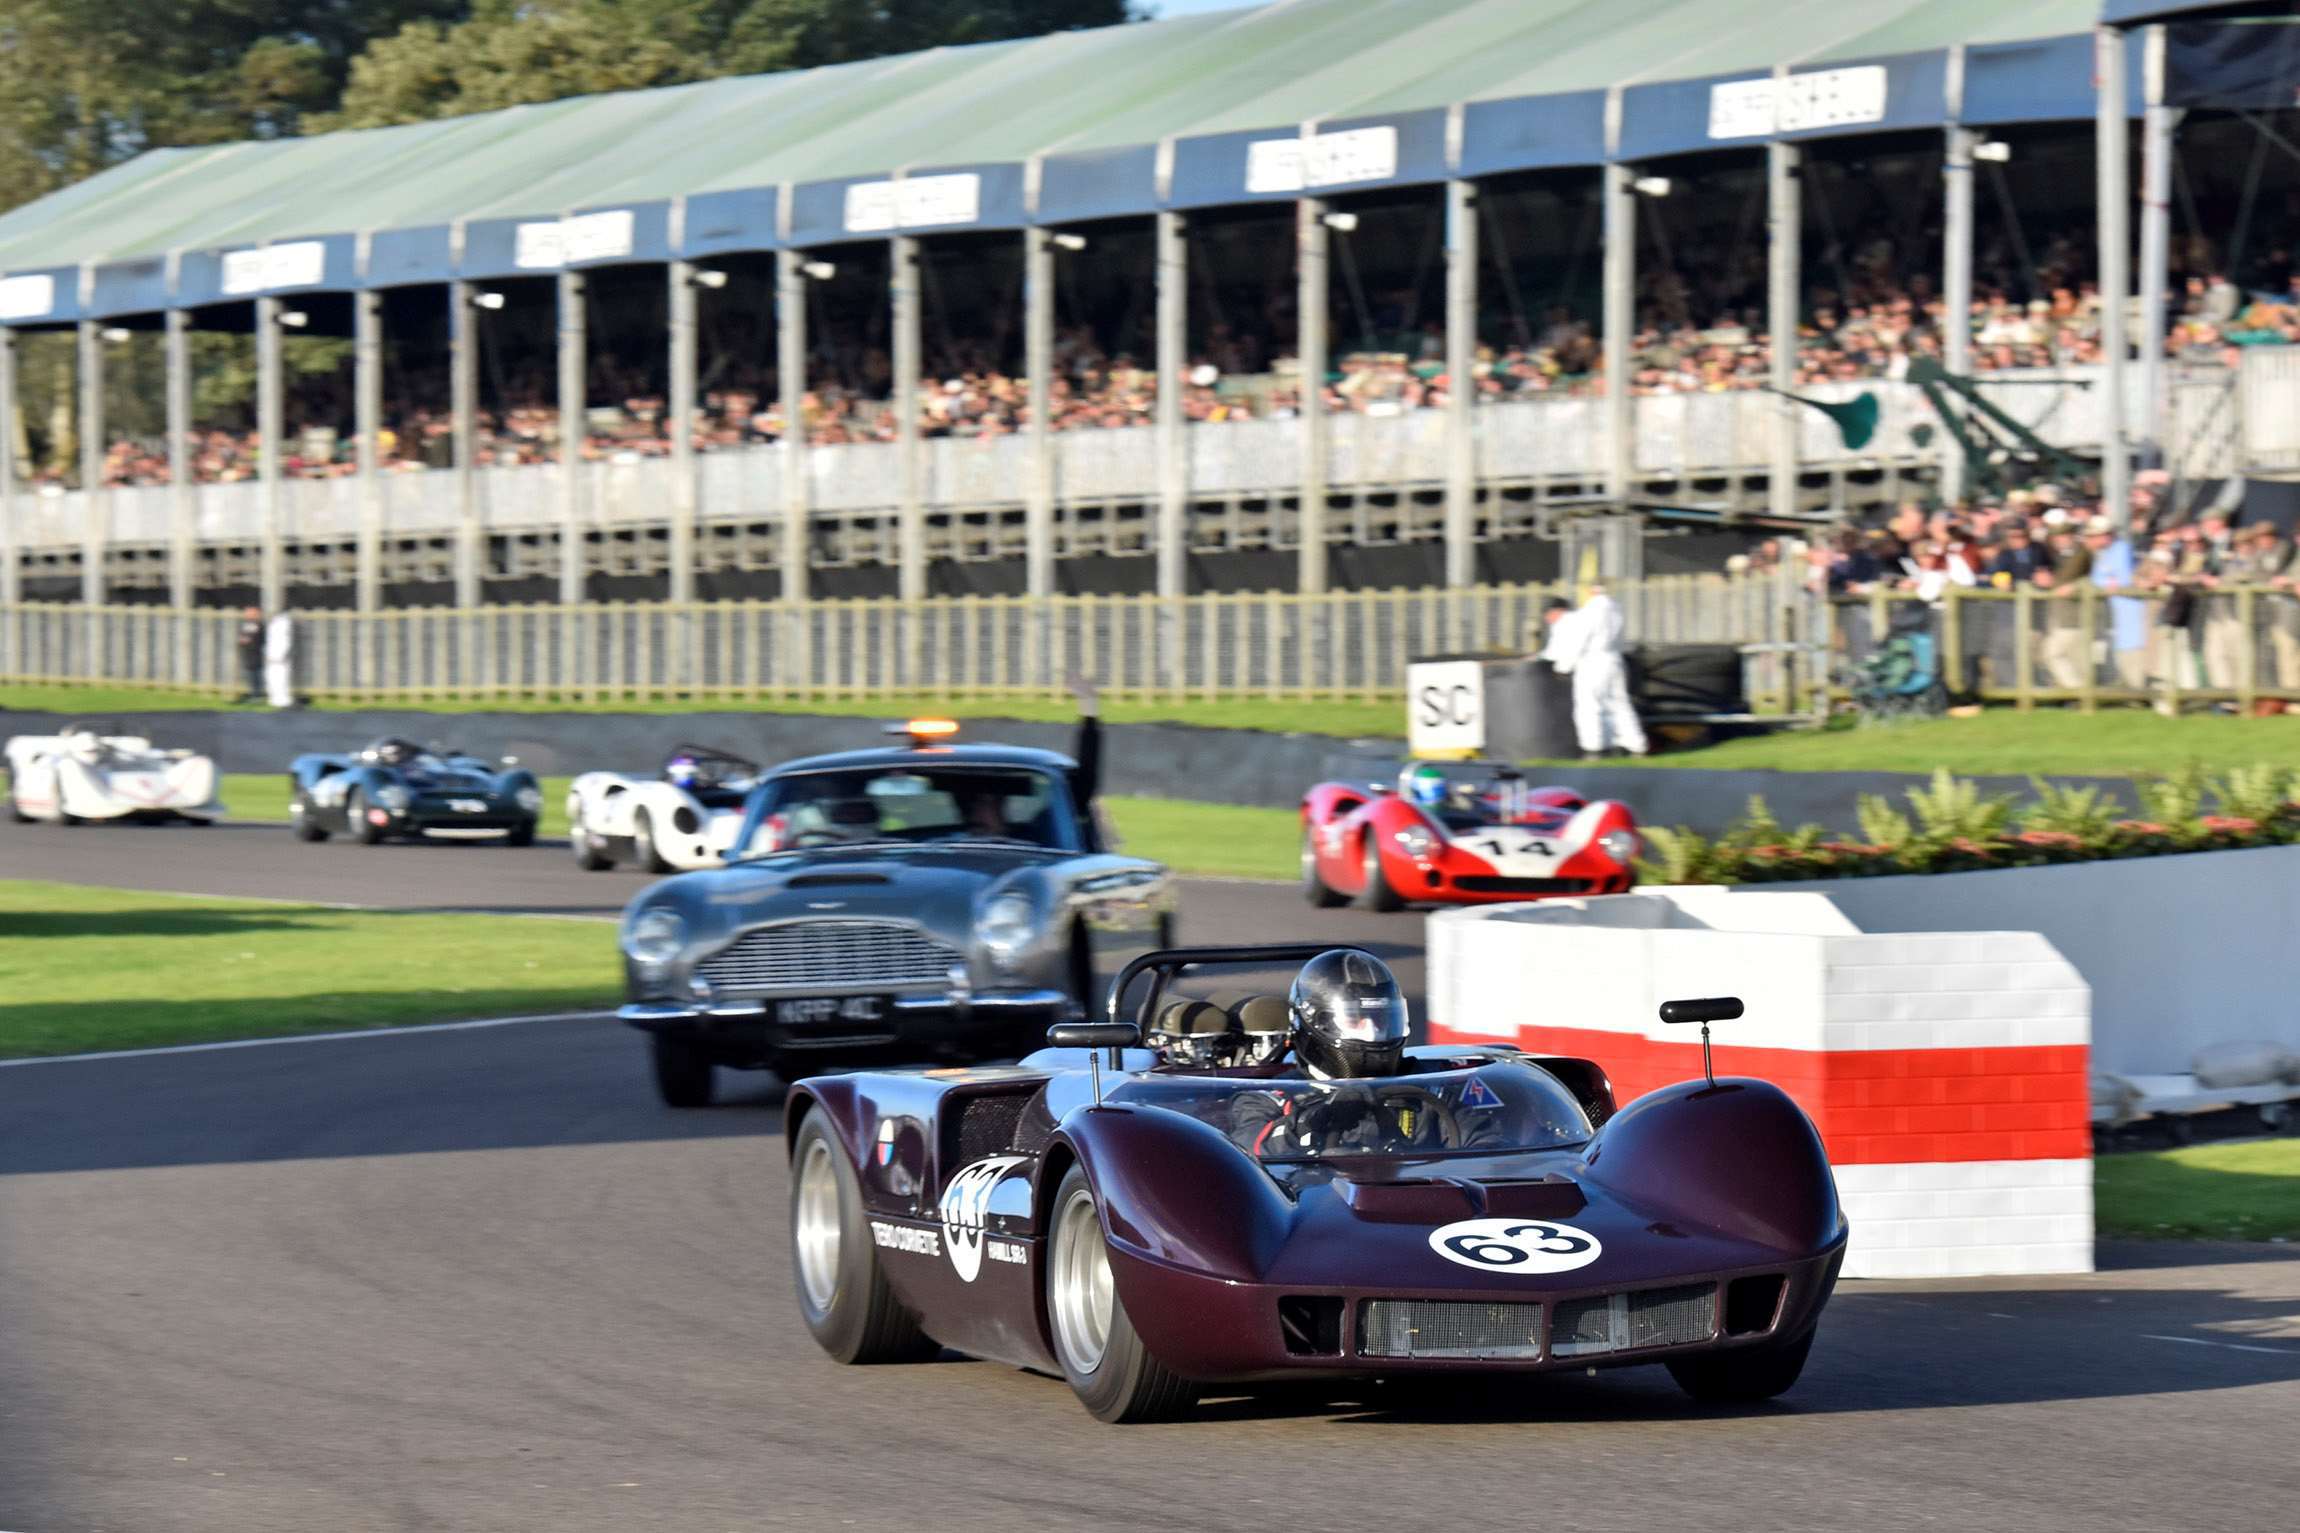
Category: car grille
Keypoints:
(1656, 1317)
(812, 957)
(1486, 883)
(1439, 1328)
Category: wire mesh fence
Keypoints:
(1353, 644)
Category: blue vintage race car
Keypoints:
(398, 788)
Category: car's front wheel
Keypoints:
(1109, 1368)
(590, 855)
(648, 855)
(305, 824)
(363, 829)
(684, 1074)
(1745, 1375)
(1314, 886)
(849, 1307)
(1377, 894)
(522, 834)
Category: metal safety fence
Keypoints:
(2171, 645)
(1353, 644)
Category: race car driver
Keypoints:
(1349, 1025)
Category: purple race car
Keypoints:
(1127, 1217)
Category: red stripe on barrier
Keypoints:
(1872, 1106)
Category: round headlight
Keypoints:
(655, 938)
(530, 798)
(393, 796)
(1620, 845)
(1004, 927)
(1413, 840)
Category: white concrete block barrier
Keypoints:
(1946, 1071)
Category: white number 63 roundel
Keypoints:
(1515, 1245)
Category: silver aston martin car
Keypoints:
(926, 902)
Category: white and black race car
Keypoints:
(683, 819)
(98, 771)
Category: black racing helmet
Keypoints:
(1349, 1016)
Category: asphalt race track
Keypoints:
(479, 1280)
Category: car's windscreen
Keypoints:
(1494, 1108)
(916, 804)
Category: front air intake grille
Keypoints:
(817, 957)
(1486, 883)
(1441, 1328)
(1621, 1322)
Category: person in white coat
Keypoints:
(279, 661)
(1586, 645)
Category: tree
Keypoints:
(511, 52)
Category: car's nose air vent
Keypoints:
(1621, 1322)
(836, 880)
(1446, 1328)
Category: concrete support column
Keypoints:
(181, 525)
(367, 424)
(463, 406)
(95, 500)
(686, 469)
(1785, 224)
(791, 377)
(2156, 142)
(574, 403)
(11, 536)
(1620, 317)
(271, 427)
(1038, 367)
(1461, 396)
(909, 481)
(2113, 198)
(1956, 289)
(1310, 260)
(1173, 379)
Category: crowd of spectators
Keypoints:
(1866, 320)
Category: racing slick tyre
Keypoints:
(1377, 895)
(1110, 1370)
(17, 814)
(302, 822)
(684, 1074)
(590, 856)
(363, 830)
(1743, 1377)
(643, 844)
(1314, 888)
(522, 834)
(850, 1309)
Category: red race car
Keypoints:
(1461, 833)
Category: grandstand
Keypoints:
(1314, 294)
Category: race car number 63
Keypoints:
(1515, 1245)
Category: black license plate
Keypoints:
(815, 1011)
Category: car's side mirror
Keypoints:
(1095, 1036)
(1707, 1009)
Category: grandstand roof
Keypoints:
(1195, 111)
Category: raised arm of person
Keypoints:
(1086, 777)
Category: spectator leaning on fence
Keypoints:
(2067, 646)
(2112, 573)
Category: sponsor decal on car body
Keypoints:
(966, 1211)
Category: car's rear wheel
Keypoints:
(1314, 886)
(1377, 894)
(305, 824)
(1109, 1368)
(590, 855)
(849, 1307)
(363, 829)
(684, 1074)
(1745, 1375)
(643, 844)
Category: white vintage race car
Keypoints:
(686, 818)
(99, 772)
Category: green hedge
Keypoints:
(1951, 826)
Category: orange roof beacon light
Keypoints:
(925, 731)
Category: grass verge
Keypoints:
(84, 969)
(2246, 1189)
(1348, 719)
(1209, 840)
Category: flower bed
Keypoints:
(1952, 827)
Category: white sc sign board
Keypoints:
(1445, 707)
